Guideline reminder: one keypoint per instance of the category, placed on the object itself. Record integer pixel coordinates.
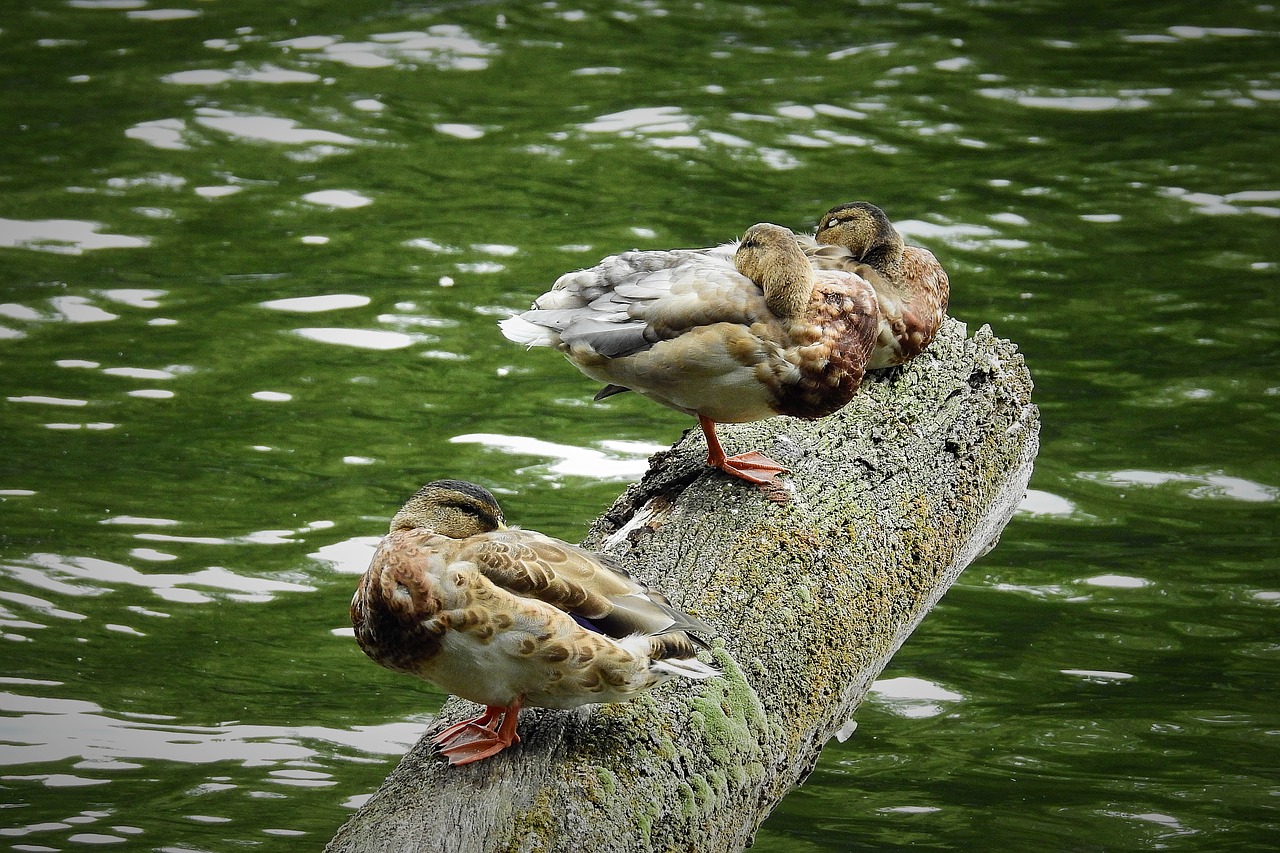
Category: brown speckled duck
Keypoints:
(509, 618)
(736, 333)
(911, 286)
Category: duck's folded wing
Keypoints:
(587, 585)
(611, 337)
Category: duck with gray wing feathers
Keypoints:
(510, 618)
(739, 332)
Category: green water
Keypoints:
(192, 473)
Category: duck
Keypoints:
(735, 333)
(912, 288)
(511, 618)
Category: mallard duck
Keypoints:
(911, 286)
(735, 333)
(509, 618)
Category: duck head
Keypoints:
(864, 230)
(452, 508)
(770, 256)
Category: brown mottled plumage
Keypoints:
(508, 618)
(911, 286)
(739, 332)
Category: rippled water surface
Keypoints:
(252, 256)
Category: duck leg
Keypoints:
(480, 737)
(752, 466)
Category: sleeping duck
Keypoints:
(735, 333)
(509, 618)
(911, 286)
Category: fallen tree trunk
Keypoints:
(893, 497)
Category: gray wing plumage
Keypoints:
(631, 301)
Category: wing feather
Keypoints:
(585, 584)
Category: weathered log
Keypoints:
(893, 497)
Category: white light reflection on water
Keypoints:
(361, 338)
(431, 246)
(265, 128)
(316, 304)
(958, 234)
(139, 373)
(91, 576)
(163, 14)
(63, 236)
(642, 121)
(78, 309)
(1189, 33)
(1060, 99)
(912, 697)
(672, 128)
(14, 311)
(1210, 486)
(96, 425)
(1244, 201)
(1098, 676)
(447, 47)
(218, 191)
(1117, 581)
(113, 5)
(1042, 503)
(460, 131)
(626, 460)
(40, 729)
(240, 74)
(338, 199)
(168, 134)
(350, 556)
(135, 297)
(48, 401)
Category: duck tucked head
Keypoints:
(864, 230)
(770, 256)
(450, 508)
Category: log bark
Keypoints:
(892, 497)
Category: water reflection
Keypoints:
(338, 199)
(63, 236)
(912, 697)
(1210, 486)
(41, 730)
(1042, 503)
(162, 14)
(625, 460)
(374, 339)
(265, 128)
(447, 47)
(1058, 99)
(114, 5)
(92, 576)
(240, 74)
(1244, 201)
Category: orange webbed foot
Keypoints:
(481, 726)
(474, 749)
(479, 737)
(753, 466)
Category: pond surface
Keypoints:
(252, 256)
